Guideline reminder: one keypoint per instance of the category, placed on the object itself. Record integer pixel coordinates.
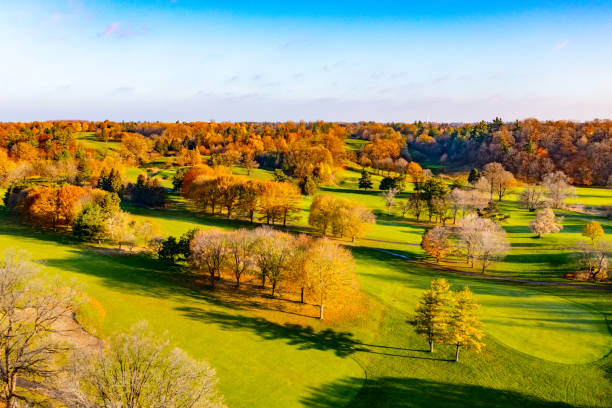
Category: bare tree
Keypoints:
(558, 188)
(272, 255)
(482, 239)
(483, 185)
(532, 198)
(208, 252)
(593, 263)
(545, 222)
(240, 246)
(141, 370)
(389, 196)
(500, 179)
(29, 309)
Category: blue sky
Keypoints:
(271, 60)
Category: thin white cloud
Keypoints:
(562, 44)
(110, 29)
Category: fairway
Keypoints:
(523, 326)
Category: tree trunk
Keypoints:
(11, 398)
(263, 281)
(237, 280)
(252, 213)
(302, 295)
(483, 266)
(457, 354)
(273, 287)
(431, 346)
(321, 308)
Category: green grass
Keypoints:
(544, 347)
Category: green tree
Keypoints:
(474, 176)
(308, 186)
(430, 190)
(388, 183)
(177, 180)
(280, 176)
(90, 224)
(365, 181)
(433, 313)
(464, 324)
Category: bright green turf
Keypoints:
(529, 334)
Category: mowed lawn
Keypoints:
(544, 348)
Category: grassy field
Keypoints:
(546, 346)
(543, 347)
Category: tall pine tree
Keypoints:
(365, 181)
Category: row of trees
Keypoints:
(447, 317)
(214, 190)
(316, 266)
(134, 370)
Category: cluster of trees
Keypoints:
(476, 238)
(134, 370)
(92, 214)
(343, 217)
(316, 266)
(212, 189)
(146, 191)
(433, 196)
(446, 317)
(530, 149)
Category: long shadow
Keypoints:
(305, 337)
(416, 393)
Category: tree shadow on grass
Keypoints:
(342, 343)
(409, 392)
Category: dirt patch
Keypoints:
(69, 330)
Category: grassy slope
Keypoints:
(261, 363)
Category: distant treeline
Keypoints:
(528, 148)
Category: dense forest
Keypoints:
(529, 148)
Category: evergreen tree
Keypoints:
(90, 224)
(365, 181)
(83, 171)
(308, 186)
(388, 183)
(474, 176)
(433, 313)
(493, 212)
(464, 326)
(177, 181)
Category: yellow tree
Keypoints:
(433, 313)
(464, 324)
(328, 267)
(593, 231)
(298, 262)
(322, 212)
